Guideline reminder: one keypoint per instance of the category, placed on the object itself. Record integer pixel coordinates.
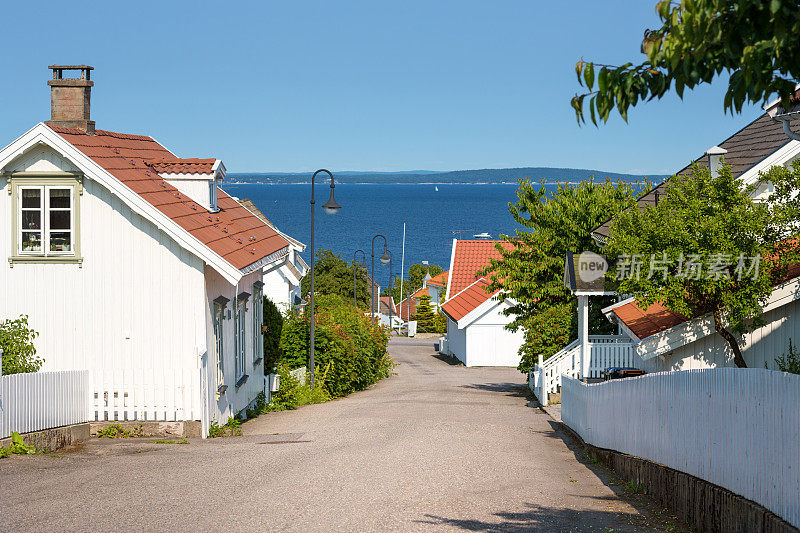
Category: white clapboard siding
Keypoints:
(738, 428)
(146, 395)
(43, 400)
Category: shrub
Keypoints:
(440, 323)
(16, 341)
(293, 393)
(790, 361)
(231, 428)
(17, 447)
(349, 348)
(273, 324)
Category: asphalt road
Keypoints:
(436, 447)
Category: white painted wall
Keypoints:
(139, 302)
(226, 405)
(761, 346)
(485, 342)
(198, 190)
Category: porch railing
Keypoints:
(604, 351)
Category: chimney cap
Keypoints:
(70, 67)
(716, 150)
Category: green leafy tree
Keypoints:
(424, 315)
(271, 328)
(532, 272)
(713, 220)
(333, 275)
(440, 323)
(16, 341)
(755, 43)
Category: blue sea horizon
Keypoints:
(433, 218)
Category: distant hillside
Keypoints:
(489, 175)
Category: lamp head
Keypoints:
(331, 207)
(385, 258)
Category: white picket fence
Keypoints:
(146, 395)
(43, 400)
(736, 428)
(604, 351)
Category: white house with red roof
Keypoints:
(476, 325)
(131, 262)
(668, 341)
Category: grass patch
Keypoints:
(632, 487)
(231, 428)
(116, 431)
(165, 441)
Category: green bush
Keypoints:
(17, 447)
(273, 324)
(789, 362)
(293, 393)
(424, 315)
(349, 349)
(16, 341)
(440, 323)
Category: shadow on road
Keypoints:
(539, 518)
(516, 390)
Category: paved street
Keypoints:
(436, 447)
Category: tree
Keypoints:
(16, 342)
(707, 248)
(424, 314)
(755, 42)
(272, 326)
(532, 272)
(333, 275)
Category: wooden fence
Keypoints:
(43, 400)
(736, 428)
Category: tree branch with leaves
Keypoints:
(755, 42)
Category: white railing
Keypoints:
(604, 351)
(736, 428)
(146, 395)
(43, 400)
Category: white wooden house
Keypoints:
(656, 339)
(476, 325)
(131, 263)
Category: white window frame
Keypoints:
(240, 333)
(22, 181)
(219, 342)
(258, 322)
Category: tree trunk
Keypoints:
(728, 336)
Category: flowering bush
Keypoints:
(348, 346)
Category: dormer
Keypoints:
(196, 178)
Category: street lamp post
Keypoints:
(331, 208)
(363, 260)
(391, 285)
(384, 260)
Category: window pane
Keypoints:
(60, 242)
(31, 220)
(31, 241)
(31, 198)
(59, 220)
(59, 199)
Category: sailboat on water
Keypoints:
(436, 188)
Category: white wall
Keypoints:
(456, 341)
(137, 301)
(232, 400)
(489, 343)
(761, 346)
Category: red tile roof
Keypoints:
(469, 258)
(643, 323)
(423, 291)
(658, 318)
(234, 232)
(183, 166)
(439, 280)
(460, 305)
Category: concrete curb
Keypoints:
(50, 440)
(184, 428)
(700, 504)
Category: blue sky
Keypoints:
(298, 85)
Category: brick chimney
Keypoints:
(70, 98)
